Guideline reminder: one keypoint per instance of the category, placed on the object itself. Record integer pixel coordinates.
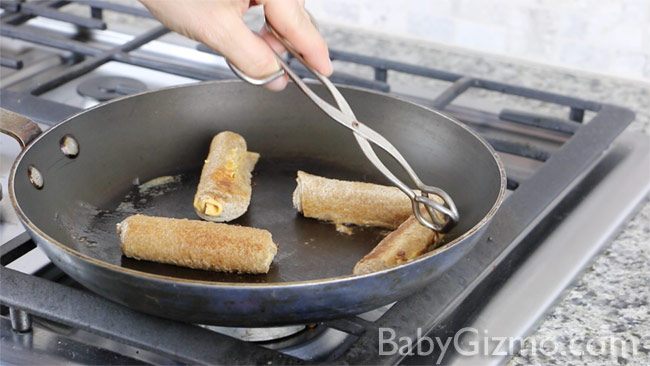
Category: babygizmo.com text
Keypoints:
(470, 342)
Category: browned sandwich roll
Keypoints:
(410, 240)
(197, 244)
(224, 191)
(345, 202)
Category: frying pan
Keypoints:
(72, 210)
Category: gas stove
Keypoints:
(573, 179)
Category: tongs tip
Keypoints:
(442, 213)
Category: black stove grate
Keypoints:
(441, 307)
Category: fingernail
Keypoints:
(329, 69)
(277, 84)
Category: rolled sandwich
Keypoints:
(224, 191)
(410, 240)
(345, 202)
(197, 244)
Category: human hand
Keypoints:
(219, 25)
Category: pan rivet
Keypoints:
(69, 146)
(35, 177)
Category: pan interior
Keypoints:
(167, 133)
(305, 245)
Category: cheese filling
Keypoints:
(209, 206)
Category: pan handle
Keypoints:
(19, 127)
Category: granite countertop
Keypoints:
(611, 297)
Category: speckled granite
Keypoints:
(612, 297)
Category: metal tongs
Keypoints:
(441, 217)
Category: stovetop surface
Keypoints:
(511, 310)
(501, 130)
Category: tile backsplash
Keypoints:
(606, 36)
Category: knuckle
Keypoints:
(296, 22)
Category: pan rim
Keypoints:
(35, 230)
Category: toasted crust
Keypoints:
(410, 240)
(197, 244)
(224, 191)
(345, 202)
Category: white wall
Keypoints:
(603, 36)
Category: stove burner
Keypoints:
(258, 334)
(103, 88)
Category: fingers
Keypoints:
(281, 82)
(243, 48)
(290, 19)
(272, 41)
